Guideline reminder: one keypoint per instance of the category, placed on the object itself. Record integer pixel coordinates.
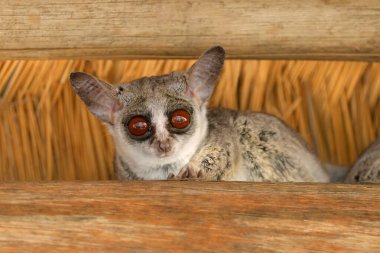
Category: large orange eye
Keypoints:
(138, 126)
(180, 119)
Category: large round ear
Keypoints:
(204, 73)
(99, 96)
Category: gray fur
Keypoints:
(255, 147)
(218, 144)
(337, 172)
(367, 167)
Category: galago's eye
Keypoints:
(138, 126)
(180, 119)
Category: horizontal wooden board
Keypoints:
(315, 29)
(181, 216)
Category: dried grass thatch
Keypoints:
(47, 133)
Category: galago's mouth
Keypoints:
(164, 154)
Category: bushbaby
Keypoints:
(162, 128)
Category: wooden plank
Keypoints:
(185, 216)
(315, 29)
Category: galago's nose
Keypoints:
(164, 146)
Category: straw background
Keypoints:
(46, 132)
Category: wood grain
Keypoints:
(315, 29)
(188, 217)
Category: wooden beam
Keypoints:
(314, 29)
(185, 216)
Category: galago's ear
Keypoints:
(204, 74)
(99, 96)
